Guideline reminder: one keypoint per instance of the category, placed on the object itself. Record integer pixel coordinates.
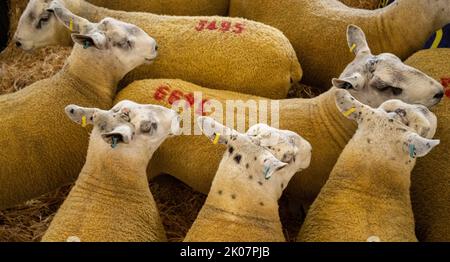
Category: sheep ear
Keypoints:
(74, 23)
(356, 40)
(419, 146)
(355, 81)
(120, 134)
(96, 39)
(271, 165)
(349, 106)
(215, 131)
(80, 115)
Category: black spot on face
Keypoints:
(247, 165)
(220, 192)
(233, 196)
(250, 177)
(282, 185)
(260, 183)
(391, 120)
(237, 158)
(255, 158)
(261, 203)
(230, 150)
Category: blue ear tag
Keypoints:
(412, 151)
(266, 172)
(86, 44)
(114, 142)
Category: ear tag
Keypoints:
(71, 24)
(352, 48)
(412, 151)
(86, 44)
(266, 172)
(83, 121)
(114, 142)
(349, 112)
(216, 139)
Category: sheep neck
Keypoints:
(94, 70)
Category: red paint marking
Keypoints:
(446, 83)
(173, 96)
(238, 28)
(212, 26)
(201, 25)
(161, 92)
(225, 26)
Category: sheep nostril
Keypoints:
(156, 47)
(439, 95)
(18, 44)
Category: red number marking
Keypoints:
(446, 83)
(238, 28)
(225, 26)
(212, 26)
(174, 96)
(161, 92)
(201, 25)
(189, 98)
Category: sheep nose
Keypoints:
(18, 44)
(439, 95)
(156, 47)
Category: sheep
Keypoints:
(38, 148)
(369, 79)
(217, 52)
(430, 192)
(367, 195)
(314, 29)
(242, 204)
(111, 200)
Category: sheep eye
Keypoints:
(397, 91)
(42, 21)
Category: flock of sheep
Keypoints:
(356, 144)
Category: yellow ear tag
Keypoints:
(349, 112)
(352, 48)
(83, 121)
(71, 24)
(216, 139)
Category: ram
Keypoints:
(38, 146)
(367, 196)
(217, 52)
(256, 167)
(430, 192)
(111, 200)
(315, 29)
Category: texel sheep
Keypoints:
(256, 167)
(40, 150)
(314, 29)
(111, 200)
(430, 191)
(370, 78)
(367, 196)
(218, 52)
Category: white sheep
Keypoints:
(40, 150)
(242, 204)
(111, 200)
(217, 52)
(367, 196)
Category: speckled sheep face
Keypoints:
(38, 27)
(418, 117)
(128, 123)
(251, 154)
(46, 22)
(388, 128)
(373, 79)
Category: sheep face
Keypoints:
(418, 117)
(265, 153)
(128, 123)
(387, 125)
(38, 27)
(373, 79)
(44, 23)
